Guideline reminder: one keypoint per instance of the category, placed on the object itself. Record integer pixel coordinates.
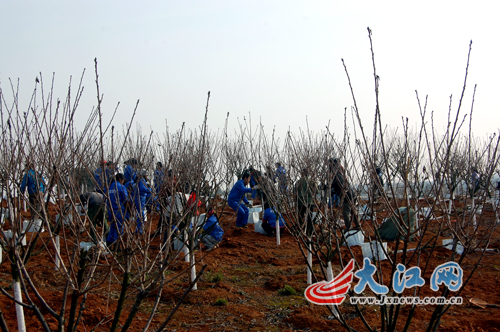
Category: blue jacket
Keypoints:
(140, 192)
(29, 181)
(158, 180)
(130, 175)
(270, 217)
(252, 181)
(118, 196)
(99, 179)
(237, 193)
(213, 228)
(281, 177)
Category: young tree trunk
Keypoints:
(76, 292)
(123, 293)
(3, 323)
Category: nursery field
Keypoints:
(252, 284)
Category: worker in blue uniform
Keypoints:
(280, 177)
(237, 196)
(140, 193)
(130, 172)
(212, 232)
(269, 221)
(117, 204)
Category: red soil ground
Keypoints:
(248, 270)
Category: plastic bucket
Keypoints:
(253, 217)
(354, 238)
(373, 250)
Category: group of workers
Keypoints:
(127, 196)
(119, 197)
(305, 192)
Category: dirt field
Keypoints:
(242, 289)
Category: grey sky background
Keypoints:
(280, 61)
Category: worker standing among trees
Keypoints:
(35, 184)
(236, 196)
(305, 190)
(140, 192)
(340, 187)
(117, 204)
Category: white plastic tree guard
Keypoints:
(448, 244)
(374, 250)
(329, 276)
(309, 263)
(193, 271)
(354, 238)
(21, 326)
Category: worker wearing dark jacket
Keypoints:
(341, 188)
(94, 202)
(236, 195)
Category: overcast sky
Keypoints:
(280, 61)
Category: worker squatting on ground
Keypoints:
(212, 232)
(117, 205)
(269, 220)
(236, 196)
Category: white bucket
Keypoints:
(33, 227)
(8, 235)
(354, 238)
(253, 217)
(373, 250)
(254, 214)
(257, 226)
(256, 208)
(448, 244)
